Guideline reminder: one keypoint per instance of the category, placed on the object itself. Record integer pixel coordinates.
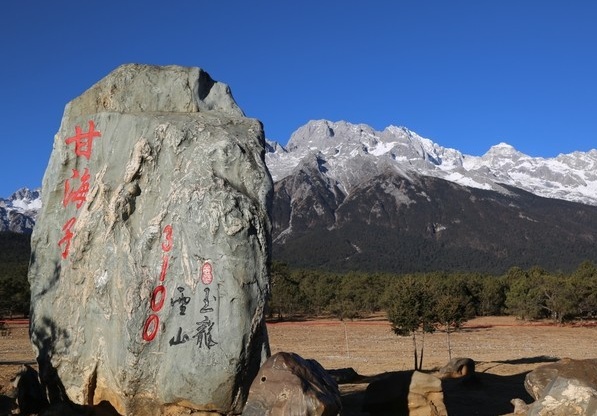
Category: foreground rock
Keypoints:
(406, 393)
(565, 397)
(565, 388)
(148, 273)
(463, 368)
(583, 370)
(288, 385)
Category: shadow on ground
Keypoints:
(531, 360)
(486, 395)
(8, 407)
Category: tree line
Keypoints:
(14, 264)
(416, 304)
(527, 294)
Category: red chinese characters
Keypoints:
(76, 193)
(158, 296)
(84, 141)
(68, 235)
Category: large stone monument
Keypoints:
(149, 258)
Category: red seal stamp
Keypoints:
(207, 275)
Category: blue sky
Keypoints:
(466, 74)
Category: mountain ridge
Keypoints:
(347, 197)
(571, 177)
(19, 211)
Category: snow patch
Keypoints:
(382, 148)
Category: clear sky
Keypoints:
(466, 74)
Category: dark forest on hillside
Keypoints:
(14, 262)
(529, 293)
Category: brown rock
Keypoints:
(425, 396)
(289, 385)
(565, 388)
(565, 397)
(583, 370)
(458, 368)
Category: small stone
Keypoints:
(458, 368)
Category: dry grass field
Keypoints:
(504, 348)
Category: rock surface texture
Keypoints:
(565, 388)
(425, 396)
(288, 385)
(149, 259)
(539, 379)
(565, 397)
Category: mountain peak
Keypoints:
(504, 149)
(25, 194)
(503, 145)
(321, 134)
(23, 200)
(18, 212)
(352, 150)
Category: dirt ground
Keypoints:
(504, 349)
(15, 350)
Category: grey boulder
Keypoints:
(565, 388)
(149, 258)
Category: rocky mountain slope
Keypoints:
(351, 152)
(19, 211)
(348, 197)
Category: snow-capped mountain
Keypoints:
(347, 197)
(350, 153)
(19, 211)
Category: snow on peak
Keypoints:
(333, 137)
(23, 200)
(354, 151)
(323, 134)
(349, 147)
(505, 150)
(503, 145)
